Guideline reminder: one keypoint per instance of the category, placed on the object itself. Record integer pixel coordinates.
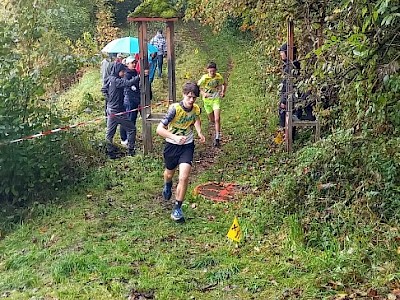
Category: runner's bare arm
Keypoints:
(163, 131)
(223, 89)
(197, 125)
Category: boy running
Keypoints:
(177, 129)
(213, 86)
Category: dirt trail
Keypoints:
(205, 154)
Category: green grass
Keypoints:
(111, 235)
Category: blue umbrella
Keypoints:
(128, 45)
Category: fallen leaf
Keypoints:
(391, 297)
(396, 292)
(341, 296)
(279, 138)
(274, 282)
(325, 186)
(372, 293)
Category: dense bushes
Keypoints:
(34, 60)
(355, 78)
(338, 171)
(28, 167)
(356, 69)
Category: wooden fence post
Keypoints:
(171, 61)
(289, 87)
(145, 89)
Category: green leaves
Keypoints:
(33, 58)
(155, 8)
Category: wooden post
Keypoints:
(171, 61)
(320, 31)
(317, 131)
(289, 87)
(144, 88)
(320, 34)
(147, 116)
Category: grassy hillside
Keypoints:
(111, 236)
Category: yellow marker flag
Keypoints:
(234, 233)
(279, 138)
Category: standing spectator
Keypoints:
(119, 58)
(152, 59)
(105, 67)
(177, 129)
(213, 86)
(131, 98)
(152, 66)
(284, 84)
(113, 90)
(137, 58)
(159, 41)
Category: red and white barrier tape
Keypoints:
(48, 132)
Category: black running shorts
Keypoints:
(178, 154)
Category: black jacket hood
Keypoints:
(116, 68)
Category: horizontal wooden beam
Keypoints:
(305, 123)
(150, 19)
(155, 118)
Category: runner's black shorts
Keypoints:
(178, 154)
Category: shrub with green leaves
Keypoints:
(31, 62)
(155, 8)
(338, 173)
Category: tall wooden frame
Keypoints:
(145, 102)
(289, 123)
(289, 87)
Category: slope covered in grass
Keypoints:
(111, 237)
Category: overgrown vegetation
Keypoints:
(155, 8)
(353, 76)
(45, 47)
(320, 223)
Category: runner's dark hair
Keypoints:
(211, 65)
(191, 87)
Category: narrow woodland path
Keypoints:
(206, 157)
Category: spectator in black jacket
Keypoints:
(294, 72)
(131, 98)
(113, 90)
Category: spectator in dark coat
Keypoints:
(284, 83)
(131, 97)
(113, 90)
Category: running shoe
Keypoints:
(167, 190)
(177, 215)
